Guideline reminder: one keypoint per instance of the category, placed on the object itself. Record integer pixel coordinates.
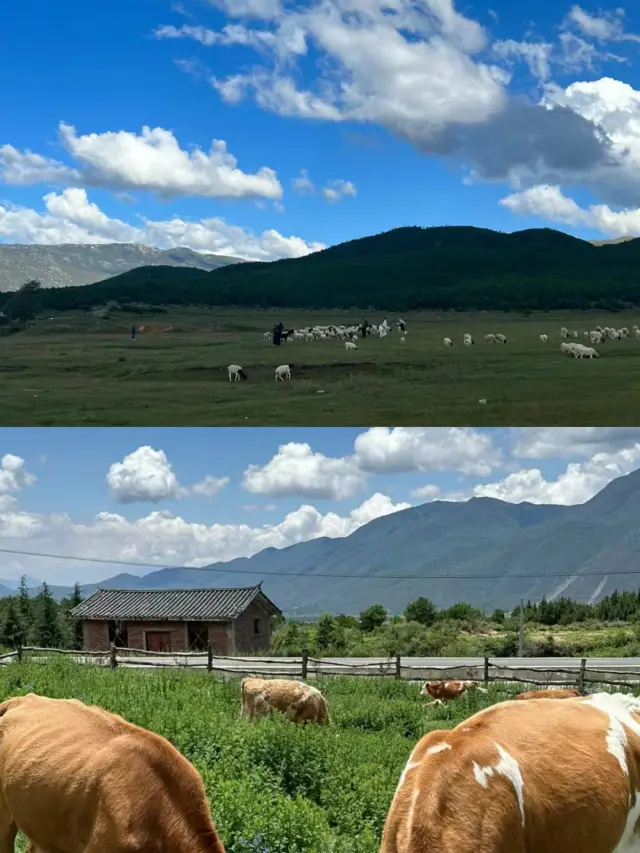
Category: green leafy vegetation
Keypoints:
(450, 268)
(273, 787)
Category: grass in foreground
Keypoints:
(273, 787)
(76, 370)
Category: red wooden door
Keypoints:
(158, 641)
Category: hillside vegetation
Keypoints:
(441, 269)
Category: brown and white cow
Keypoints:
(300, 702)
(560, 693)
(78, 779)
(524, 777)
(445, 691)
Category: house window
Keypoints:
(197, 636)
(257, 626)
(118, 634)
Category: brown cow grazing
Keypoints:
(300, 702)
(445, 691)
(542, 777)
(548, 694)
(78, 779)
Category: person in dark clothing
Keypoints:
(402, 324)
(364, 329)
(277, 333)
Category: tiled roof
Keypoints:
(191, 605)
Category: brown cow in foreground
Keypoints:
(548, 694)
(77, 779)
(300, 702)
(543, 777)
(444, 691)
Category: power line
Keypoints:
(308, 575)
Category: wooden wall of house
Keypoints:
(246, 640)
(95, 635)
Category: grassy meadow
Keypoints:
(74, 369)
(273, 787)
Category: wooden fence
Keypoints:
(571, 672)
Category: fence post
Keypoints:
(209, 656)
(398, 666)
(113, 659)
(583, 667)
(19, 653)
(305, 664)
(486, 672)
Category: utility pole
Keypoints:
(521, 632)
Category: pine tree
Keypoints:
(48, 630)
(76, 625)
(13, 632)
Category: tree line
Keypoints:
(436, 269)
(40, 620)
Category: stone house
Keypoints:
(177, 620)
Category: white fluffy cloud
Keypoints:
(71, 218)
(297, 470)
(146, 475)
(160, 537)
(404, 65)
(303, 185)
(13, 476)
(403, 449)
(605, 26)
(550, 203)
(152, 160)
(548, 442)
(580, 482)
(337, 190)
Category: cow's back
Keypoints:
(73, 773)
(517, 776)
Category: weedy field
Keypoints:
(274, 787)
(74, 369)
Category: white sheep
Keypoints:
(349, 345)
(637, 334)
(448, 342)
(468, 340)
(402, 339)
(490, 339)
(568, 348)
(501, 339)
(283, 372)
(544, 338)
(564, 332)
(267, 336)
(236, 373)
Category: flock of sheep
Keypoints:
(349, 335)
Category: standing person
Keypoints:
(401, 324)
(133, 333)
(277, 333)
(364, 328)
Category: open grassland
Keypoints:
(274, 787)
(77, 370)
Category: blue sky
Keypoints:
(196, 496)
(502, 115)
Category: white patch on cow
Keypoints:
(618, 707)
(438, 748)
(507, 767)
(510, 769)
(629, 840)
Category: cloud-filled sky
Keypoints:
(195, 496)
(268, 129)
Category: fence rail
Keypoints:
(570, 672)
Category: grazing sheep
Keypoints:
(448, 342)
(468, 340)
(544, 338)
(402, 339)
(283, 372)
(236, 373)
(267, 336)
(490, 339)
(501, 339)
(348, 345)
(564, 332)
(568, 348)
(637, 334)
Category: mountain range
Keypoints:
(443, 268)
(76, 264)
(484, 551)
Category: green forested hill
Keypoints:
(442, 268)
